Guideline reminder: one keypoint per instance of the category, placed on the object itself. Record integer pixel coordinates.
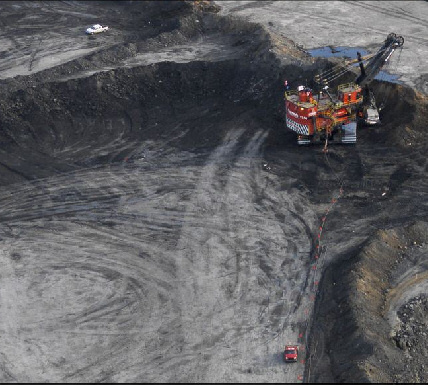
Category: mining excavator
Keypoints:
(324, 115)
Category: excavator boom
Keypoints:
(381, 57)
(333, 114)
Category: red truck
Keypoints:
(290, 353)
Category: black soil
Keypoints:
(50, 125)
(352, 339)
(42, 115)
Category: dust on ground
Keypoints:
(157, 220)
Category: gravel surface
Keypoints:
(362, 24)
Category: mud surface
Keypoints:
(157, 222)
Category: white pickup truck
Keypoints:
(96, 28)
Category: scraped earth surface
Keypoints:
(157, 222)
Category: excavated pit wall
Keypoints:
(56, 109)
(50, 125)
(131, 204)
(44, 116)
(370, 310)
(354, 336)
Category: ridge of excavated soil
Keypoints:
(361, 329)
(132, 198)
(158, 220)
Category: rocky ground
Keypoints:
(158, 222)
(371, 312)
(411, 337)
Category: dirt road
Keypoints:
(363, 24)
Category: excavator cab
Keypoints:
(349, 93)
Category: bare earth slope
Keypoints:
(157, 221)
(141, 237)
(372, 313)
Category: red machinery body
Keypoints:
(332, 114)
(308, 115)
(301, 111)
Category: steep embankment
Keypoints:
(357, 335)
(70, 115)
(371, 311)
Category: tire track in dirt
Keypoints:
(395, 12)
(82, 257)
(169, 265)
(248, 260)
(201, 250)
(59, 227)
